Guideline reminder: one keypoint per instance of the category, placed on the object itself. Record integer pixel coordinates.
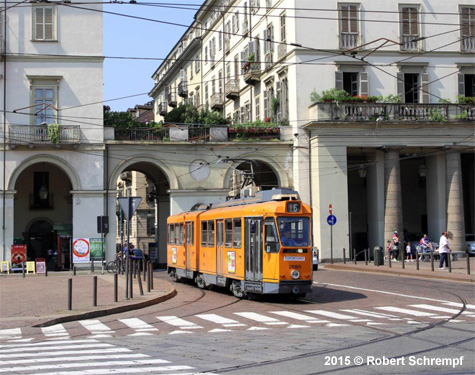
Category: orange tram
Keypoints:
(254, 245)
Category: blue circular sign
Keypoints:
(331, 220)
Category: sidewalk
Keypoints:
(458, 274)
(43, 300)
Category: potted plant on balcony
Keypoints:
(54, 133)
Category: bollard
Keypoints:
(450, 262)
(94, 291)
(134, 268)
(148, 278)
(74, 270)
(70, 294)
(116, 288)
(432, 260)
(365, 257)
(417, 262)
(145, 270)
(354, 255)
(139, 278)
(92, 266)
(23, 268)
(389, 261)
(46, 271)
(377, 258)
(151, 276)
(344, 256)
(403, 257)
(131, 282)
(468, 264)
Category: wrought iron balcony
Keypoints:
(232, 88)
(162, 109)
(252, 73)
(183, 89)
(348, 41)
(142, 134)
(468, 44)
(323, 112)
(38, 134)
(217, 101)
(172, 100)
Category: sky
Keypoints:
(128, 37)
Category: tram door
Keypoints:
(220, 247)
(188, 246)
(253, 248)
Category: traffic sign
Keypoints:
(330, 209)
(331, 220)
(129, 205)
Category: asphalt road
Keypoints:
(353, 323)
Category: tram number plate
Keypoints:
(294, 259)
(295, 267)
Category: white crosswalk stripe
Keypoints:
(50, 358)
(56, 331)
(13, 333)
(297, 316)
(178, 322)
(456, 304)
(439, 309)
(407, 311)
(261, 318)
(330, 314)
(372, 314)
(96, 327)
(226, 322)
(138, 325)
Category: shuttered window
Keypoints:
(44, 27)
(410, 24)
(468, 21)
(349, 19)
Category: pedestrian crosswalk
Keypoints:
(78, 357)
(421, 313)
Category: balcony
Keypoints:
(162, 109)
(172, 100)
(232, 89)
(410, 43)
(183, 89)
(245, 27)
(227, 44)
(348, 41)
(217, 101)
(281, 51)
(38, 134)
(351, 112)
(468, 44)
(252, 73)
(142, 134)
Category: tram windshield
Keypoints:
(294, 231)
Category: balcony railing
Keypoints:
(252, 73)
(217, 101)
(391, 112)
(38, 134)
(245, 27)
(281, 51)
(232, 88)
(162, 109)
(183, 89)
(348, 41)
(410, 43)
(468, 44)
(172, 100)
(142, 134)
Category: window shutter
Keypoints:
(339, 80)
(405, 21)
(242, 62)
(461, 83)
(271, 38)
(39, 23)
(266, 43)
(344, 19)
(364, 87)
(400, 86)
(353, 19)
(425, 88)
(49, 32)
(266, 104)
(251, 49)
(414, 25)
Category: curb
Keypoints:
(399, 273)
(109, 311)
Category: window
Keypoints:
(270, 235)
(411, 88)
(349, 26)
(220, 40)
(469, 85)
(206, 55)
(150, 226)
(44, 94)
(210, 233)
(220, 81)
(171, 234)
(258, 107)
(269, 39)
(282, 28)
(228, 233)
(213, 85)
(295, 229)
(44, 23)
(409, 28)
(181, 234)
(197, 64)
(204, 233)
(467, 21)
(350, 83)
(237, 233)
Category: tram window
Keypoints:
(270, 233)
(228, 236)
(294, 231)
(237, 233)
(192, 233)
(171, 234)
(204, 233)
(210, 233)
(188, 233)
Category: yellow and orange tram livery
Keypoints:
(259, 244)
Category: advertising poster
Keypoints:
(95, 247)
(81, 252)
(174, 255)
(231, 262)
(18, 255)
(40, 265)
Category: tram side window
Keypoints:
(171, 234)
(272, 242)
(204, 233)
(210, 233)
(228, 233)
(181, 235)
(188, 233)
(177, 234)
(237, 233)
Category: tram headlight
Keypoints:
(295, 274)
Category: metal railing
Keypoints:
(232, 87)
(216, 100)
(468, 44)
(142, 134)
(38, 134)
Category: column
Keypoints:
(455, 211)
(393, 201)
(376, 200)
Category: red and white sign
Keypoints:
(18, 255)
(81, 253)
(330, 208)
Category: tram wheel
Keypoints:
(236, 290)
(200, 281)
(174, 276)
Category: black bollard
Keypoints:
(468, 264)
(139, 278)
(46, 271)
(354, 255)
(450, 262)
(116, 288)
(94, 291)
(432, 260)
(365, 257)
(148, 278)
(23, 268)
(92, 266)
(144, 267)
(344, 256)
(151, 276)
(131, 283)
(70, 294)
(389, 260)
(403, 257)
(417, 262)
(74, 270)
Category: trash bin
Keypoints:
(378, 255)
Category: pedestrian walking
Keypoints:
(444, 250)
(388, 249)
(409, 253)
(395, 250)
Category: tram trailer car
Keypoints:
(259, 245)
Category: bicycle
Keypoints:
(113, 266)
